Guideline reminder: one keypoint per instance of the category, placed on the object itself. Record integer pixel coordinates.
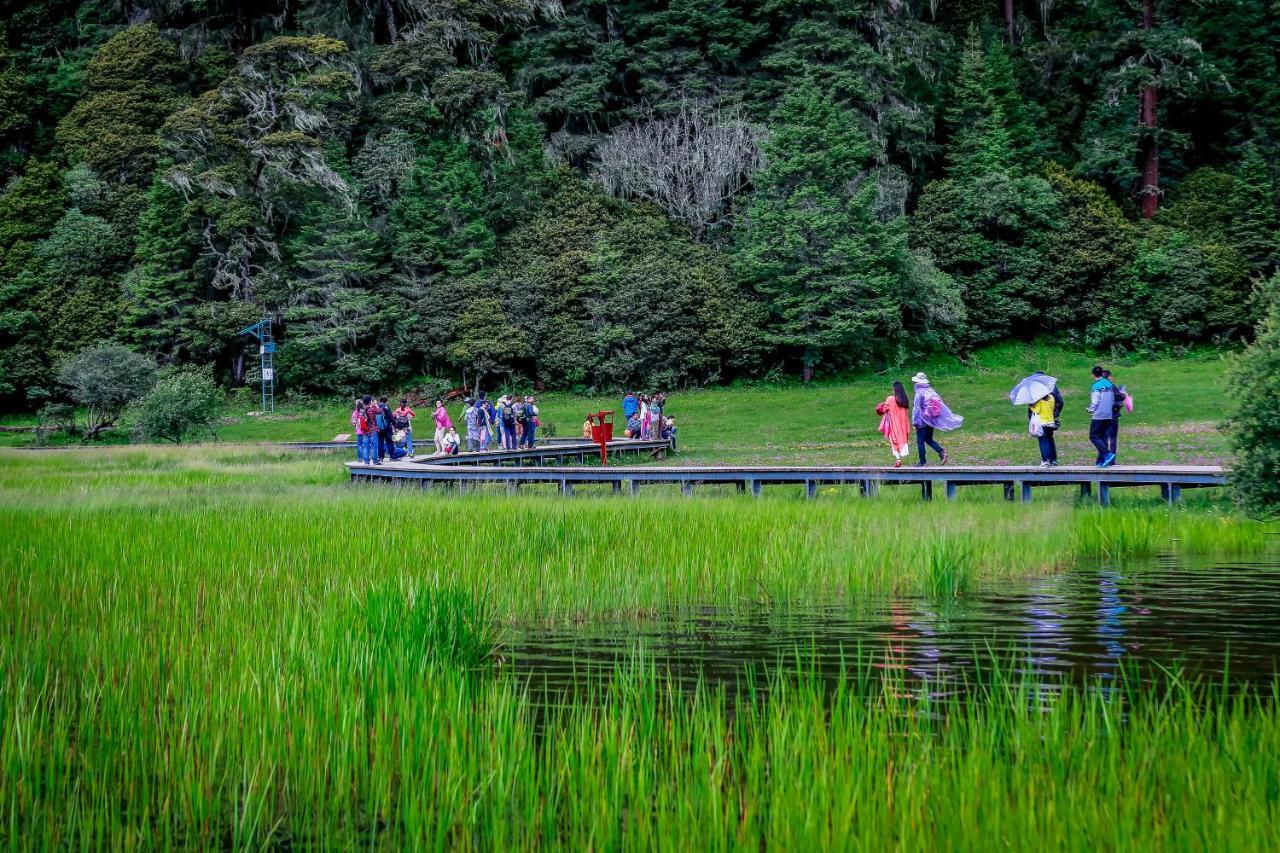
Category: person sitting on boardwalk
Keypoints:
(586, 429)
(669, 431)
(633, 425)
(402, 419)
(450, 442)
(929, 413)
(1043, 424)
(895, 423)
(1102, 397)
(443, 425)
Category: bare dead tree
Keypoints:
(689, 164)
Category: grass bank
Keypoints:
(1179, 404)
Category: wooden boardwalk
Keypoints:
(1018, 482)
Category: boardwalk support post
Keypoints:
(926, 490)
(950, 488)
(1171, 493)
(1025, 488)
(810, 489)
(1104, 494)
(686, 487)
(1086, 490)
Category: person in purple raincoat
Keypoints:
(929, 413)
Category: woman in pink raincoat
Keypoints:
(895, 423)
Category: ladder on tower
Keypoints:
(267, 355)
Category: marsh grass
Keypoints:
(319, 748)
(212, 649)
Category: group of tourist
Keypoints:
(383, 432)
(644, 418)
(512, 421)
(926, 412)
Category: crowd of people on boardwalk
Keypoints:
(644, 418)
(511, 421)
(927, 413)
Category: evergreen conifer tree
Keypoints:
(809, 242)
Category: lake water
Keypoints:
(1217, 620)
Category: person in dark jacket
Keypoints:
(386, 444)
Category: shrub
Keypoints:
(105, 379)
(1255, 385)
(183, 402)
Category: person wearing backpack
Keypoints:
(386, 432)
(366, 449)
(1118, 406)
(530, 433)
(1102, 397)
(929, 413)
(508, 420)
(402, 419)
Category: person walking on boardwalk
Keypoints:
(1042, 423)
(930, 413)
(443, 425)
(895, 423)
(1122, 403)
(530, 431)
(402, 419)
(1102, 397)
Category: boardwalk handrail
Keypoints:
(1018, 481)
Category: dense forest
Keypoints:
(642, 192)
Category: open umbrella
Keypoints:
(1033, 388)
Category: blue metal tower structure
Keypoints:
(266, 352)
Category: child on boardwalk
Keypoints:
(895, 423)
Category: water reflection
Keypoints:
(1218, 620)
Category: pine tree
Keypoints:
(1255, 222)
(811, 245)
(161, 297)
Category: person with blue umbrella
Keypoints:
(1039, 393)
